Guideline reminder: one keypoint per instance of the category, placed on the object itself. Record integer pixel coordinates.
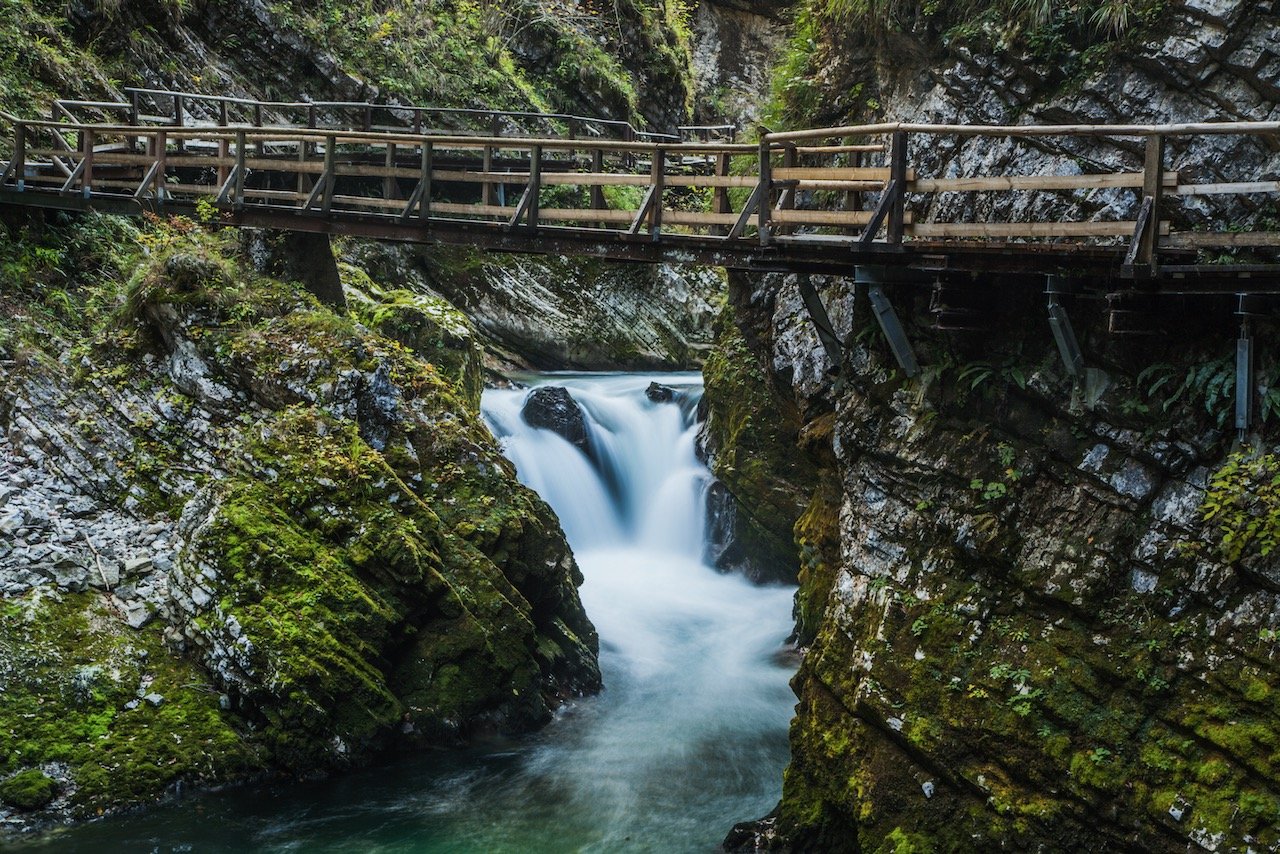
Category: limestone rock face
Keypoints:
(1021, 630)
(268, 537)
(554, 313)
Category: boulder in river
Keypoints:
(552, 408)
(659, 393)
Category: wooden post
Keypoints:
(257, 115)
(720, 195)
(597, 191)
(787, 197)
(389, 184)
(535, 184)
(222, 113)
(898, 185)
(330, 179)
(20, 156)
(766, 195)
(488, 195)
(178, 120)
(162, 153)
(86, 154)
(424, 179)
(1152, 188)
(368, 117)
(135, 108)
(224, 151)
(304, 179)
(658, 175)
(238, 198)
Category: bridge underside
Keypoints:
(1087, 267)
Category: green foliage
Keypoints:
(1243, 500)
(1209, 385)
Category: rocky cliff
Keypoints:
(245, 534)
(1037, 614)
(1037, 617)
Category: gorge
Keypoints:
(252, 539)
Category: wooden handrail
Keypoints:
(334, 173)
(625, 128)
(1190, 129)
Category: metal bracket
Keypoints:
(1244, 368)
(890, 325)
(1063, 332)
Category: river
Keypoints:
(688, 736)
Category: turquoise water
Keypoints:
(688, 737)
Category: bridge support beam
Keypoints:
(821, 321)
(308, 258)
(872, 278)
(1063, 332)
(1244, 368)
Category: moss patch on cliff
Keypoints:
(109, 710)
(359, 565)
(753, 441)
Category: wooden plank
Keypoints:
(1198, 239)
(1026, 229)
(1230, 188)
(997, 183)
(834, 173)
(473, 210)
(587, 215)
(807, 217)
(842, 149)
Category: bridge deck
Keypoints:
(820, 201)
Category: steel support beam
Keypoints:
(1063, 332)
(872, 278)
(821, 320)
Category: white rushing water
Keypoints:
(688, 736)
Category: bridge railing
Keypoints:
(916, 206)
(169, 108)
(854, 186)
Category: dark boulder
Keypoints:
(550, 407)
(659, 393)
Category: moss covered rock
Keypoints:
(28, 790)
(1023, 631)
(752, 433)
(340, 560)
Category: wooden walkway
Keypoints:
(820, 200)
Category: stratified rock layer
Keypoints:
(1022, 633)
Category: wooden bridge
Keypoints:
(831, 200)
(821, 200)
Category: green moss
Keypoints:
(754, 435)
(433, 330)
(28, 790)
(71, 693)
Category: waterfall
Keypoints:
(689, 735)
